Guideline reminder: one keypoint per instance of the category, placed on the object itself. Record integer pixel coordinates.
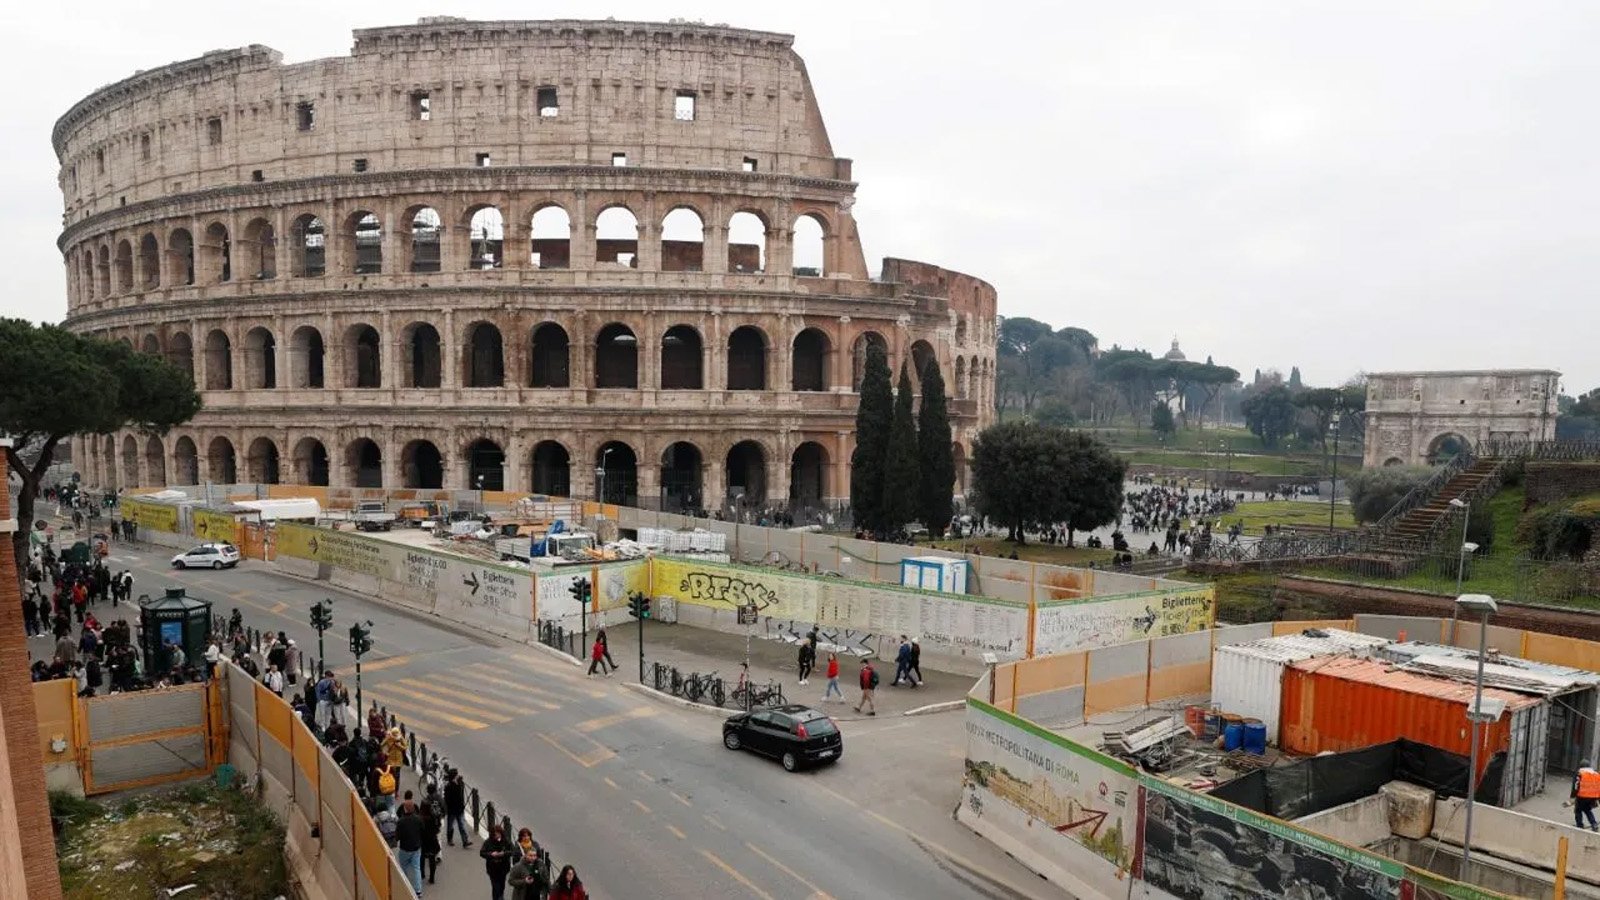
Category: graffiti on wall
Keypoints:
(1083, 624)
(829, 638)
(711, 587)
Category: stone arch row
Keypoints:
(693, 352)
(683, 233)
(682, 471)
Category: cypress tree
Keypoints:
(873, 415)
(934, 455)
(902, 480)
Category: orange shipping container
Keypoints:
(1346, 704)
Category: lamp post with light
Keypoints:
(1480, 714)
(1461, 558)
(1333, 479)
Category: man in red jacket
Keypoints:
(597, 657)
(869, 685)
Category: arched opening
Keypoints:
(150, 344)
(262, 462)
(180, 247)
(958, 454)
(260, 359)
(616, 357)
(180, 352)
(1394, 461)
(219, 362)
(747, 359)
(810, 366)
(366, 243)
(486, 232)
(616, 238)
(307, 356)
(310, 247)
(130, 461)
(747, 474)
(549, 357)
(149, 262)
(681, 359)
(311, 461)
(552, 469)
(216, 254)
(362, 357)
(155, 462)
(810, 242)
(102, 271)
(486, 466)
(808, 475)
(617, 474)
(221, 465)
(747, 243)
(259, 253)
(485, 359)
(550, 239)
(1446, 447)
(921, 355)
(186, 461)
(961, 378)
(421, 466)
(681, 464)
(364, 463)
(124, 267)
(423, 362)
(683, 241)
(422, 251)
(858, 356)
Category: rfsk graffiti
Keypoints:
(706, 587)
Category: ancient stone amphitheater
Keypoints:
(507, 255)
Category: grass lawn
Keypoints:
(1054, 554)
(1239, 440)
(1260, 465)
(1288, 512)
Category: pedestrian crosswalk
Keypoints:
(475, 696)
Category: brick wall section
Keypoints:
(1546, 481)
(1342, 599)
(24, 790)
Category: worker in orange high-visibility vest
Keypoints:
(1585, 794)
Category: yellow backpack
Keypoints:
(386, 782)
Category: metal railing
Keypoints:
(712, 690)
(553, 634)
(1425, 491)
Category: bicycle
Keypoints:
(698, 685)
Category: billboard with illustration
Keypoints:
(1066, 625)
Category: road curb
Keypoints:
(554, 653)
(947, 706)
(665, 697)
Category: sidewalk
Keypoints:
(461, 875)
(699, 650)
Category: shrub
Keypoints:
(1374, 492)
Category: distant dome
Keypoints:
(1175, 353)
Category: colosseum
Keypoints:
(563, 257)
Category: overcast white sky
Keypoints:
(1337, 186)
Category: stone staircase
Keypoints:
(1419, 524)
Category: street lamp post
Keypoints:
(480, 493)
(1461, 558)
(1333, 479)
(1485, 605)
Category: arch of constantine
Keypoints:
(1416, 418)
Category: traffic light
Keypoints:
(360, 639)
(579, 590)
(638, 606)
(322, 615)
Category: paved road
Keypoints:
(639, 794)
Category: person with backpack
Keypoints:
(386, 785)
(496, 855)
(869, 684)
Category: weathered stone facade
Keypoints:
(514, 251)
(1412, 415)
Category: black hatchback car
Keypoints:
(795, 735)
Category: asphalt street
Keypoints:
(638, 793)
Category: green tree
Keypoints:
(55, 385)
(1026, 475)
(1320, 404)
(1092, 484)
(1295, 383)
(1161, 420)
(937, 461)
(902, 479)
(1270, 414)
(873, 415)
(1374, 492)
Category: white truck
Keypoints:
(371, 515)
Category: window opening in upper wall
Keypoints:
(305, 114)
(483, 160)
(546, 102)
(683, 106)
(257, 175)
(214, 129)
(749, 163)
(619, 160)
(421, 105)
(144, 146)
(100, 162)
(360, 164)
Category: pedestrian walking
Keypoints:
(274, 680)
(1585, 795)
(524, 878)
(394, 749)
(385, 785)
(605, 645)
(408, 844)
(869, 685)
(432, 818)
(597, 658)
(496, 855)
(291, 663)
(455, 810)
(568, 886)
(902, 664)
(833, 679)
(916, 662)
(375, 722)
(324, 691)
(807, 660)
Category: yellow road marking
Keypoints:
(680, 798)
(677, 833)
(377, 665)
(816, 892)
(493, 704)
(403, 704)
(645, 775)
(735, 874)
(278, 609)
(642, 808)
(429, 717)
(428, 699)
(487, 672)
(466, 682)
(576, 681)
(638, 712)
(612, 783)
(589, 760)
